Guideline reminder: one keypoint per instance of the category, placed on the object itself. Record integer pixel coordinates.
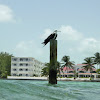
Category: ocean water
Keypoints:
(41, 90)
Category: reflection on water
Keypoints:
(41, 90)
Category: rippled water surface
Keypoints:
(41, 90)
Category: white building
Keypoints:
(25, 66)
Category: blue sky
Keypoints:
(24, 24)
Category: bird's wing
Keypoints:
(48, 39)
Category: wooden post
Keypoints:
(53, 62)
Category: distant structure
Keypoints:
(26, 66)
(81, 72)
(51, 36)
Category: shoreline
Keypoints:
(57, 80)
(46, 79)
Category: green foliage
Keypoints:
(5, 64)
(4, 74)
(89, 61)
(45, 70)
(68, 63)
(98, 71)
(97, 58)
(69, 77)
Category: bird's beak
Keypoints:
(58, 31)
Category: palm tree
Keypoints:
(67, 62)
(58, 67)
(89, 64)
(97, 58)
(45, 70)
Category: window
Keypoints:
(20, 69)
(14, 59)
(21, 59)
(14, 69)
(14, 64)
(20, 74)
(26, 59)
(21, 64)
(81, 71)
(26, 74)
(14, 74)
(87, 75)
(26, 64)
(70, 71)
(65, 75)
(93, 71)
(26, 69)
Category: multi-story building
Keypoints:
(25, 66)
(84, 73)
(79, 70)
(67, 72)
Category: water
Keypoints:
(41, 90)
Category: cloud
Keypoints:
(75, 44)
(67, 34)
(6, 14)
(47, 32)
(89, 46)
(28, 49)
(70, 42)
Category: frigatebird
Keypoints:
(51, 36)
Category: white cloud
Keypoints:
(89, 46)
(6, 14)
(28, 49)
(74, 43)
(67, 34)
(47, 32)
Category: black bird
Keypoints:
(51, 36)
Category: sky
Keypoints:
(24, 24)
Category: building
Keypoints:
(82, 72)
(78, 71)
(26, 66)
(67, 72)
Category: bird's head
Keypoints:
(55, 32)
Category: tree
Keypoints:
(89, 64)
(45, 70)
(58, 67)
(68, 63)
(97, 58)
(5, 64)
(98, 71)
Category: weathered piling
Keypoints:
(53, 62)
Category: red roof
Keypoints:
(87, 73)
(68, 69)
(81, 64)
(82, 69)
